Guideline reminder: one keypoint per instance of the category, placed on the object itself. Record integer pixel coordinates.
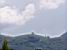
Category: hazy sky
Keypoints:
(42, 16)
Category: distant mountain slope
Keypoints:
(64, 35)
(32, 41)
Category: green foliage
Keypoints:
(5, 45)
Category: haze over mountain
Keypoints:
(20, 34)
(33, 41)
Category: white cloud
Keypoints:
(50, 4)
(2, 3)
(10, 16)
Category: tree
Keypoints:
(5, 45)
(37, 49)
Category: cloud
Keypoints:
(2, 3)
(10, 15)
(50, 4)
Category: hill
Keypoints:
(33, 41)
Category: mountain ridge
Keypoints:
(33, 41)
(21, 34)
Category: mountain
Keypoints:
(33, 41)
(64, 35)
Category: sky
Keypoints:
(42, 16)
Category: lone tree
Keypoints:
(5, 45)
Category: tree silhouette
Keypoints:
(38, 49)
(5, 45)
